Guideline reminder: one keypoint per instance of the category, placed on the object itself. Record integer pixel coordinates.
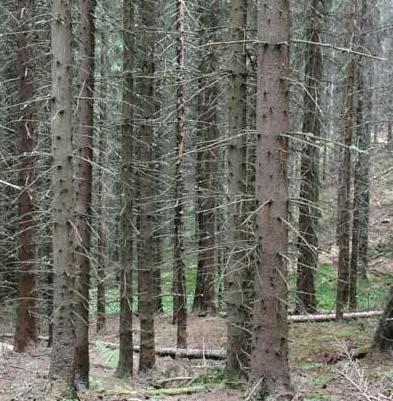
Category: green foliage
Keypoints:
(215, 375)
(111, 354)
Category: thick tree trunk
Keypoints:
(307, 263)
(236, 244)
(204, 299)
(62, 357)
(179, 267)
(146, 188)
(344, 216)
(26, 314)
(269, 358)
(383, 338)
(102, 188)
(125, 365)
(84, 176)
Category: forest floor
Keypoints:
(321, 366)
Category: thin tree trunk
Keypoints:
(102, 189)
(269, 358)
(26, 315)
(125, 365)
(179, 267)
(345, 186)
(307, 263)
(84, 176)
(146, 188)
(62, 356)
(236, 244)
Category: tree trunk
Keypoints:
(204, 299)
(269, 358)
(344, 215)
(26, 315)
(236, 244)
(146, 188)
(125, 365)
(84, 177)
(383, 338)
(102, 188)
(179, 267)
(307, 263)
(62, 357)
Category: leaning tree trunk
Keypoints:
(207, 160)
(383, 338)
(26, 314)
(236, 241)
(84, 177)
(344, 190)
(269, 359)
(146, 188)
(125, 365)
(62, 356)
(179, 268)
(307, 263)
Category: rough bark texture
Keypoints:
(309, 188)
(343, 223)
(26, 314)
(102, 189)
(125, 365)
(383, 338)
(179, 267)
(62, 356)
(146, 188)
(207, 159)
(236, 244)
(84, 180)
(269, 358)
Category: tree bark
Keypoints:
(62, 356)
(125, 365)
(307, 263)
(26, 315)
(383, 338)
(269, 358)
(236, 244)
(179, 267)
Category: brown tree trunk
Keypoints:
(383, 338)
(179, 264)
(84, 177)
(269, 358)
(204, 299)
(62, 357)
(102, 189)
(236, 241)
(125, 365)
(307, 263)
(146, 188)
(26, 315)
(345, 186)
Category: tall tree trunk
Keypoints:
(125, 365)
(307, 263)
(146, 188)
(269, 358)
(26, 315)
(236, 244)
(62, 357)
(84, 176)
(345, 185)
(179, 267)
(102, 188)
(204, 299)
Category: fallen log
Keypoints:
(330, 317)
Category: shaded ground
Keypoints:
(313, 348)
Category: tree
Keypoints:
(62, 356)
(236, 244)
(307, 263)
(269, 358)
(26, 315)
(383, 337)
(179, 268)
(125, 365)
(145, 187)
(84, 176)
